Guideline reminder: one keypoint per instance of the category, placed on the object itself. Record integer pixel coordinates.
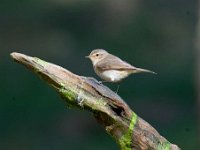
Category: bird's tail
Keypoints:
(140, 70)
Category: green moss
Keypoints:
(69, 95)
(126, 140)
(40, 61)
(101, 102)
(164, 146)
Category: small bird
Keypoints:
(111, 68)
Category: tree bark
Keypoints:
(129, 130)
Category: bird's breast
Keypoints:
(112, 75)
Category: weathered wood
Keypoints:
(129, 130)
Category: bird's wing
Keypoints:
(114, 63)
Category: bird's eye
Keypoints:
(97, 55)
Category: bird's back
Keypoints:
(115, 63)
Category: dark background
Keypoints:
(157, 35)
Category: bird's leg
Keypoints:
(117, 89)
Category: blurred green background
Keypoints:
(157, 35)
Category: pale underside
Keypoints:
(113, 75)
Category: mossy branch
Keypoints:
(129, 130)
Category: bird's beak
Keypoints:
(87, 56)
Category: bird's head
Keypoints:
(96, 55)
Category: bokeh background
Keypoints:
(157, 35)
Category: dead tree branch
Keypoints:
(129, 130)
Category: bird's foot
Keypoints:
(117, 89)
